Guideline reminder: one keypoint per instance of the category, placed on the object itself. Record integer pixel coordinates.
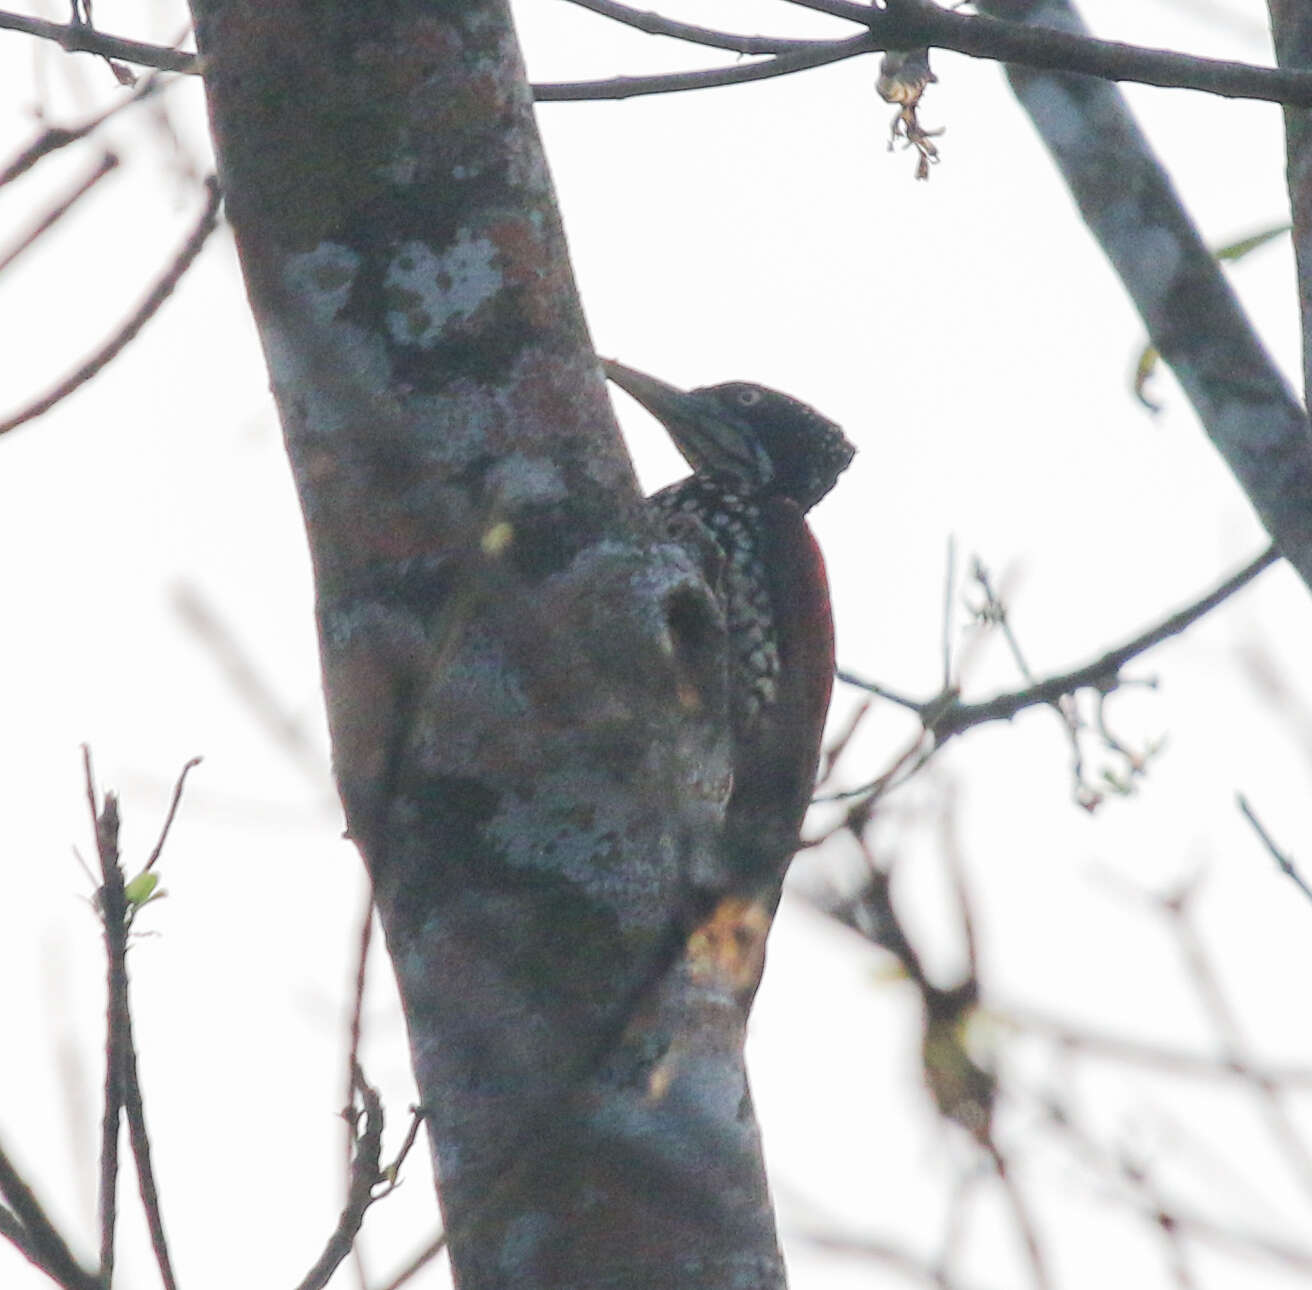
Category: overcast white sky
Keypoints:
(972, 341)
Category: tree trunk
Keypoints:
(525, 680)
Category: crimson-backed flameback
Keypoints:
(760, 461)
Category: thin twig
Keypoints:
(53, 138)
(187, 767)
(838, 746)
(1118, 1048)
(353, 1056)
(655, 24)
(901, 26)
(135, 1108)
(369, 1179)
(949, 599)
(42, 226)
(950, 847)
(89, 784)
(908, 763)
(1246, 1243)
(1285, 864)
(1021, 1213)
(146, 310)
(903, 1261)
(994, 612)
(77, 37)
(134, 1105)
(122, 1081)
(237, 663)
(418, 1262)
(955, 1225)
(945, 716)
(1152, 1208)
(1270, 1097)
(357, 1003)
(365, 1175)
(417, 1117)
(111, 904)
(818, 54)
(1136, 1172)
(80, 38)
(883, 926)
(881, 691)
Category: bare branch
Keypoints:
(793, 55)
(1285, 864)
(656, 24)
(12, 1231)
(1149, 1203)
(1247, 1243)
(290, 731)
(909, 762)
(994, 612)
(112, 907)
(139, 317)
(418, 1262)
(361, 1196)
(945, 715)
(187, 768)
(1139, 1177)
(53, 138)
(911, 24)
(1024, 1220)
(1225, 1021)
(906, 24)
(365, 1175)
(135, 1109)
(1104, 671)
(1118, 1048)
(816, 54)
(903, 1261)
(39, 1242)
(880, 691)
(122, 1084)
(108, 162)
(356, 1026)
(949, 600)
(79, 38)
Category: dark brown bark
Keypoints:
(525, 683)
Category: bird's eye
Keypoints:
(748, 398)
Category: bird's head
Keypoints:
(758, 441)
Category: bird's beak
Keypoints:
(708, 439)
(664, 402)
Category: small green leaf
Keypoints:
(1238, 249)
(1143, 370)
(141, 889)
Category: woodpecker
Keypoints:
(760, 461)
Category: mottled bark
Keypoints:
(525, 682)
(1126, 197)
(1291, 29)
